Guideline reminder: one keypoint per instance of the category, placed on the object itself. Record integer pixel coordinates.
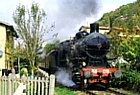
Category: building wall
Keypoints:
(8, 50)
(2, 47)
(103, 31)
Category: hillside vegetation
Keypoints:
(127, 16)
(127, 21)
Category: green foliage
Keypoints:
(130, 49)
(114, 48)
(130, 14)
(129, 81)
(51, 46)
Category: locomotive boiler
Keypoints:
(85, 55)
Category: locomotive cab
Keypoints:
(81, 34)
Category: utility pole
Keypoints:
(113, 19)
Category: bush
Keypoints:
(129, 81)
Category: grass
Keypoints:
(63, 91)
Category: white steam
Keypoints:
(63, 77)
(69, 15)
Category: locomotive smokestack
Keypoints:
(94, 27)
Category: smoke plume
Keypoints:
(64, 78)
(73, 12)
(69, 15)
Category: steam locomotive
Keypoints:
(85, 56)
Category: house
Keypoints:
(6, 46)
(102, 29)
(120, 31)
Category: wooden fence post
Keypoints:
(9, 86)
(39, 86)
(35, 85)
(46, 86)
(52, 85)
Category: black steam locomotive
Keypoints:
(85, 55)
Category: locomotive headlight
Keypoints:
(87, 74)
(84, 63)
(118, 74)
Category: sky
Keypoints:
(59, 12)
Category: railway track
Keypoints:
(100, 90)
(105, 92)
(117, 91)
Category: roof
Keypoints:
(9, 26)
(4, 23)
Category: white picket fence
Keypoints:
(26, 86)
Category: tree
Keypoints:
(31, 26)
(51, 46)
(130, 50)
